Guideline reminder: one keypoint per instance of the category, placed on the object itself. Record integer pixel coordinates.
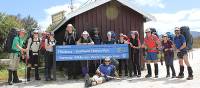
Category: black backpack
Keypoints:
(185, 31)
(9, 40)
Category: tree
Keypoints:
(29, 23)
(9, 21)
(6, 23)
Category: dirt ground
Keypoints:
(127, 82)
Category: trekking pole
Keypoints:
(26, 63)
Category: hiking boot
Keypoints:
(18, 81)
(138, 75)
(156, 76)
(38, 78)
(10, 83)
(180, 76)
(28, 80)
(88, 82)
(173, 76)
(148, 76)
(135, 75)
(167, 76)
(190, 78)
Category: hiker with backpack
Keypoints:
(95, 35)
(152, 44)
(85, 40)
(123, 63)
(16, 52)
(70, 38)
(50, 42)
(181, 49)
(135, 58)
(33, 47)
(110, 38)
(167, 45)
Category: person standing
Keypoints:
(180, 46)
(167, 46)
(85, 40)
(33, 51)
(135, 46)
(123, 63)
(17, 52)
(152, 44)
(97, 41)
(50, 42)
(110, 40)
(70, 38)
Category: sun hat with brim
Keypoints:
(85, 33)
(107, 59)
(164, 35)
(35, 31)
(177, 29)
(147, 30)
(22, 30)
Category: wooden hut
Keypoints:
(107, 15)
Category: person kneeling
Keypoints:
(104, 72)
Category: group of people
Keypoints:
(110, 68)
(29, 53)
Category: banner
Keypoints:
(91, 52)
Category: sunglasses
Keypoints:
(147, 32)
(107, 61)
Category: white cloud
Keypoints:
(167, 21)
(149, 3)
(55, 9)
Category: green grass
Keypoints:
(3, 55)
(4, 71)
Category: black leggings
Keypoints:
(48, 64)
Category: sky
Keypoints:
(168, 13)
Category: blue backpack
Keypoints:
(170, 36)
(185, 31)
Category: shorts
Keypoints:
(14, 62)
(181, 54)
(151, 56)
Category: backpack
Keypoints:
(185, 31)
(73, 35)
(9, 40)
(153, 31)
(38, 45)
(113, 35)
(170, 36)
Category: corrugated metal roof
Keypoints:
(97, 3)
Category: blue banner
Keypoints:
(91, 52)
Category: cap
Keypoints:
(51, 33)
(69, 25)
(22, 30)
(85, 33)
(147, 30)
(35, 31)
(164, 35)
(121, 34)
(109, 33)
(107, 59)
(177, 29)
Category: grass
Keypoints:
(196, 42)
(3, 55)
(4, 71)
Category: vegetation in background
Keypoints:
(9, 21)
